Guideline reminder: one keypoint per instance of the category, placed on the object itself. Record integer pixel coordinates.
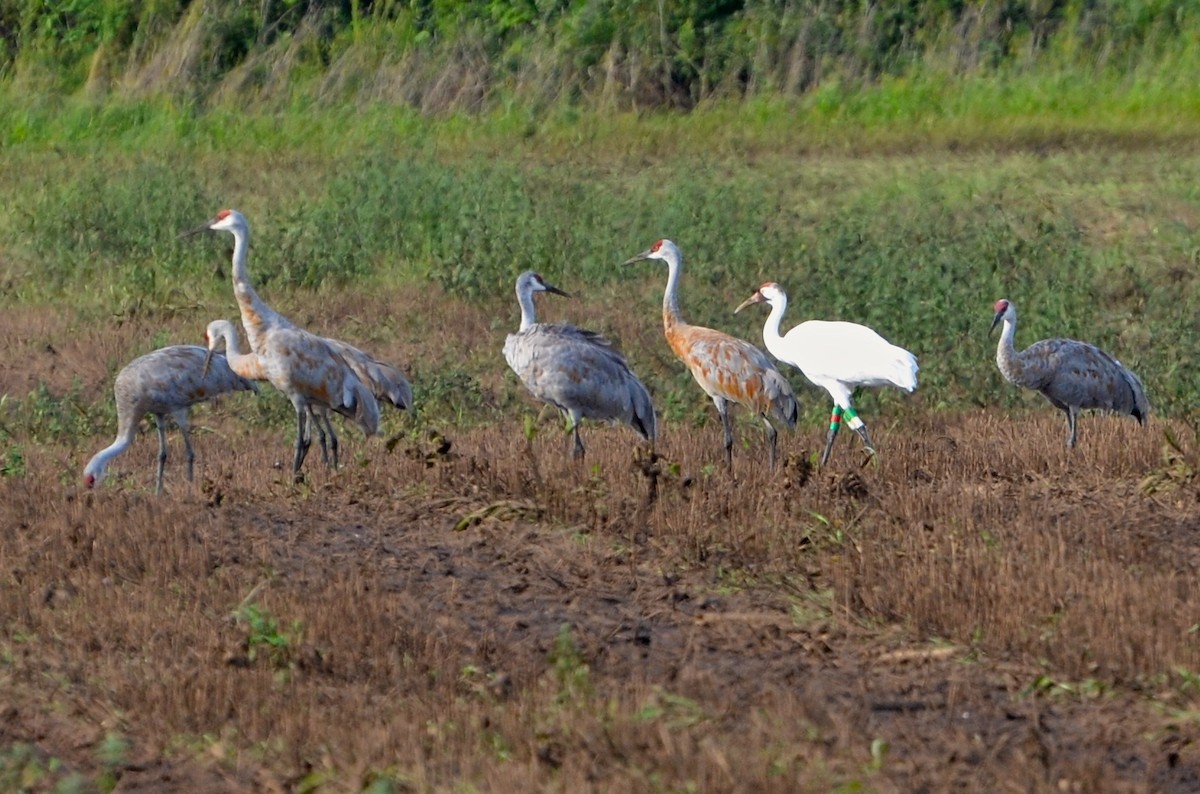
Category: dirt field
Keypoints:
(978, 610)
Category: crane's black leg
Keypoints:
(333, 440)
(161, 423)
(316, 422)
(723, 410)
(187, 445)
(577, 453)
(835, 424)
(859, 426)
(772, 435)
(302, 441)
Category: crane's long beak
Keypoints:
(757, 297)
(556, 290)
(207, 362)
(996, 321)
(643, 255)
(207, 227)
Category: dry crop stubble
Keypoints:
(404, 616)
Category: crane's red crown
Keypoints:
(90, 481)
(1001, 306)
(223, 214)
(657, 245)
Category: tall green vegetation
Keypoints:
(473, 55)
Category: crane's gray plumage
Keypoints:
(577, 371)
(1072, 375)
(165, 382)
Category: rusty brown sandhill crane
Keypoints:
(221, 335)
(1072, 375)
(837, 356)
(314, 377)
(165, 382)
(386, 382)
(577, 371)
(730, 370)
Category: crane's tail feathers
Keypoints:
(360, 406)
(1141, 406)
(385, 381)
(905, 375)
(643, 419)
(787, 410)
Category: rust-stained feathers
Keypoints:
(729, 369)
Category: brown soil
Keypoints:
(977, 610)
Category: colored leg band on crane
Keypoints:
(835, 419)
(852, 419)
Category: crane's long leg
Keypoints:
(860, 427)
(161, 422)
(772, 435)
(187, 445)
(333, 440)
(316, 422)
(1072, 420)
(579, 451)
(723, 410)
(302, 440)
(835, 424)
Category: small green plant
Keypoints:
(263, 635)
(571, 671)
(14, 462)
(113, 754)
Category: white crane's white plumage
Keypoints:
(1072, 375)
(730, 370)
(577, 371)
(165, 382)
(837, 356)
(385, 381)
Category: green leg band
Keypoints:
(835, 419)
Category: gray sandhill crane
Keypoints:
(577, 371)
(165, 382)
(314, 377)
(730, 370)
(221, 336)
(1072, 375)
(837, 356)
(386, 382)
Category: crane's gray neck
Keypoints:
(241, 248)
(99, 462)
(528, 315)
(671, 295)
(1006, 352)
(256, 315)
(771, 328)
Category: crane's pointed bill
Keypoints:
(996, 321)
(207, 363)
(194, 232)
(555, 290)
(643, 255)
(757, 297)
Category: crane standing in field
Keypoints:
(729, 370)
(386, 382)
(165, 382)
(577, 371)
(220, 335)
(1072, 375)
(312, 376)
(838, 357)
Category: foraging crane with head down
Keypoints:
(1072, 375)
(165, 382)
(577, 371)
(838, 357)
(386, 382)
(730, 370)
